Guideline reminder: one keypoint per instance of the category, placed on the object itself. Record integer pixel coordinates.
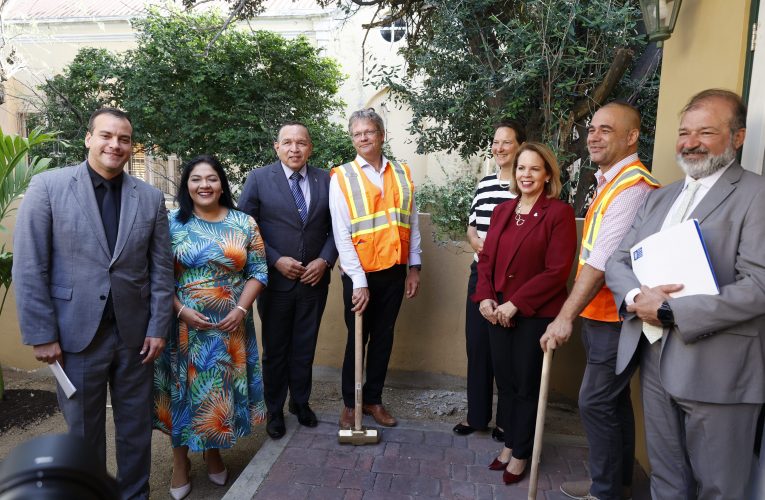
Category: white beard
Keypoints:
(708, 166)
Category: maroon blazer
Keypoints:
(540, 258)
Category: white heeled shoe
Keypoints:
(182, 492)
(219, 478)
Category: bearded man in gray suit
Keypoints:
(93, 275)
(703, 381)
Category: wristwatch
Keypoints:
(665, 314)
(416, 266)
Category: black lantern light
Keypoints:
(659, 17)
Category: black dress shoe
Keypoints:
(464, 430)
(275, 425)
(498, 435)
(305, 414)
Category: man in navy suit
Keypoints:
(290, 202)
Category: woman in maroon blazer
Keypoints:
(522, 274)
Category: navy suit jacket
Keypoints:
(266, 196)
(540, 260)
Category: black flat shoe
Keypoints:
(498, 435)
(305, 415)
(275, 425)
(464, 430)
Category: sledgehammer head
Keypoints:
(358, 437)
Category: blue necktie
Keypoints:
(297, 193)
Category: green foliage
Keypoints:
(191, 88)
(448, 204)
(332, 145)
(16, 171)
(90, 81)
(545, 62)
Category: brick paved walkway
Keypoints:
(414, 459)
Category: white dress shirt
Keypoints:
(341, 225)
(304, 184)
(705, 184)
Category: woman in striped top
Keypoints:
(491, 191)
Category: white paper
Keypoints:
(62, 379)
(675, 255)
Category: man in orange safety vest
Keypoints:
(604, 398)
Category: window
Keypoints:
(393, 31)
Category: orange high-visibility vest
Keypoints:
(602, 307)
(380, 224)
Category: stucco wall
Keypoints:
(430, 335)
(706, 50)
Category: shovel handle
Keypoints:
(540, 427)
(359, 365)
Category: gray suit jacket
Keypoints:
(716, 351)
(266, 196)
(63, 270)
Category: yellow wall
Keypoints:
(706, 50)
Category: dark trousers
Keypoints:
(606, 410)
(108, 361)
(480, 373)
(386, 291)
(290, 323)
(517, 359)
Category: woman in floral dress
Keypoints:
(207, 384)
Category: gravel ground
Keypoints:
(408, 396)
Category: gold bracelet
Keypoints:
(242, 309)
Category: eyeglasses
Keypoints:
(364, 133)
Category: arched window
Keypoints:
(393, 31)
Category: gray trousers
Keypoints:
(697, 450)
(107, 361)
(606, 410)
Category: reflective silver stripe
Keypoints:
(357, 190)
(369, 224)
(400, 217)
(403, 182)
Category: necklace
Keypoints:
(502, 184)
(519, 220)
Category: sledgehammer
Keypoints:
(358, 435)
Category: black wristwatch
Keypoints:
(416, 266)
(665, 314)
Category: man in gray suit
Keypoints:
(703, 380)
(290, 202)
(93, 276)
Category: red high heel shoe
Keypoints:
(510, 478)
(497, 464)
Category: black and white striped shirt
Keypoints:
(488, 195)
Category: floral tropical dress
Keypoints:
(208, 387)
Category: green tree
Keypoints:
(549, 63)
(91, 80)
(16, 170)
(546, 62)
(191, 89)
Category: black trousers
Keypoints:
(386, 291)
(290, 322)
(480, 373)
(517, 359)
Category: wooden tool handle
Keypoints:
(359, 367)
(540, 427)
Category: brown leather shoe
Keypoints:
(347, 417)
(380, 414)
